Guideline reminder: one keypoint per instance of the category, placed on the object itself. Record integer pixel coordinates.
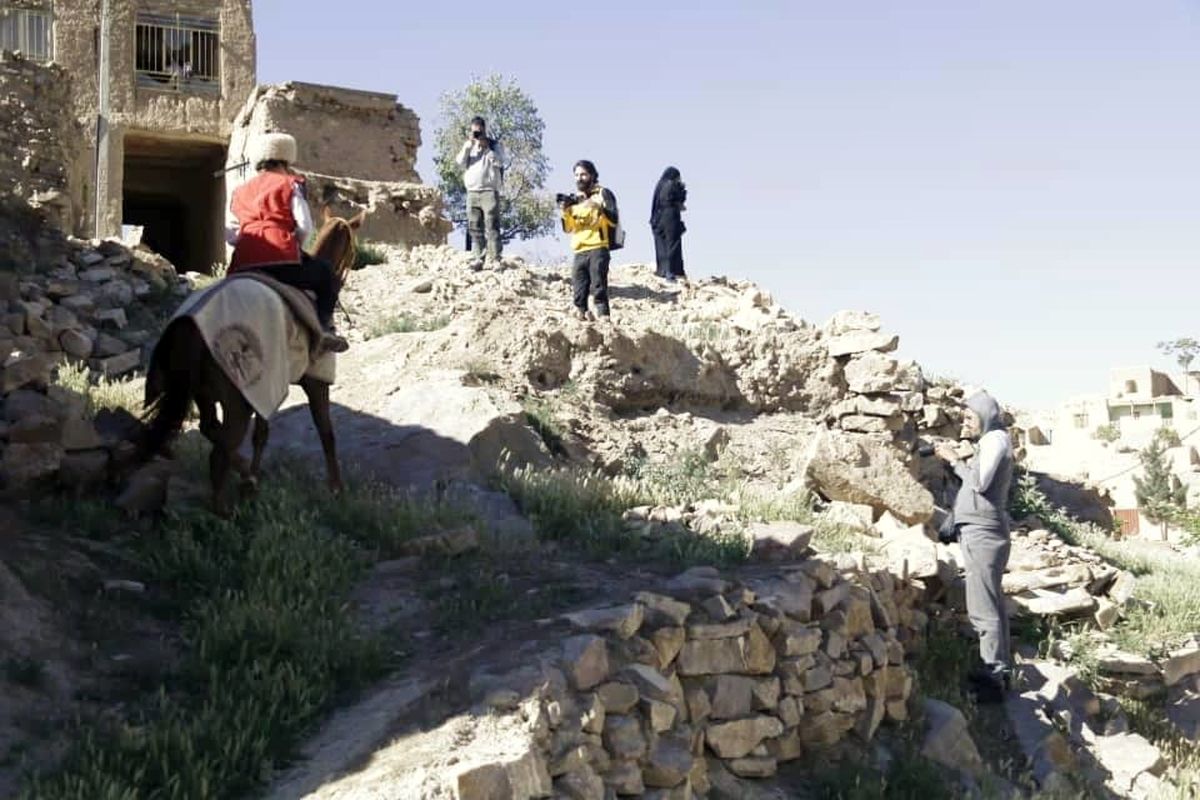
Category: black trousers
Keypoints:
(311, 275)
(591, 275)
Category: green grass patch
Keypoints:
(584, 509)
(271, 641)
(369, 254)
(942, 665)
(406, 323)
(540, 414)
(908, 777)
(477, 591)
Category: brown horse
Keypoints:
(188, 372)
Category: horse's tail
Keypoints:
(168, 395)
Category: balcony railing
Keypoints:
(27, 30)
(178, 54)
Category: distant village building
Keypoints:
(1139, 402)
(1097, 438)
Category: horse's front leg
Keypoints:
(262, 431)
(230, 435)
(318, 405)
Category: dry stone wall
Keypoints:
(707, 679)
(100, 307)
(41, 145)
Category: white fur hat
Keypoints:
(273, 147)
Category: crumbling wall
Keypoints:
(359, 152)
(344, 132)
(101, 306)
(40, 143)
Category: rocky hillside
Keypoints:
(701, 413)
(714, 369)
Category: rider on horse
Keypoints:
(272, 222)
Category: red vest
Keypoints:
(263, 207)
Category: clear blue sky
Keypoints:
(1013, 185)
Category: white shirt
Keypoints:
(993, 447)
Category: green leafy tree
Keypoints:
(1184, 350)
(527, 212)
(1167, 437)
(1160, 495)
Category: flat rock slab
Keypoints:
(1127, 756)
(407, 430)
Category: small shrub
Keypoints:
(480, 371)
(368, 254)
(685, 477)
(1167, 437)
(102, 393)
(539, 413)
(405, 323)
(1107, 433)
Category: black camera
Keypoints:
(477, 134)
(566, 199)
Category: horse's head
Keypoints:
(336, 242)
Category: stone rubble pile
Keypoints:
(856, 424)
(99, 307)
(660, 697)
(1075, 739)
(1048, 577)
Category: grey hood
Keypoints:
(988, 410)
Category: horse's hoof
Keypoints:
(249, 487)
(337, 487)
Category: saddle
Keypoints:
(299, 302)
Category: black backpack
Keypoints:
(616, 236)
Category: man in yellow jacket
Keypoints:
(590, 216)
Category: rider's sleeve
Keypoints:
(302, 214)
(233, 228)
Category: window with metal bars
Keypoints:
(176, 53)
(27, 30)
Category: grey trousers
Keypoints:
(483, 222)
(985, 551)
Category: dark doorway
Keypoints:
(170, 191)
(164, 222)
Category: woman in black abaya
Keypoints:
(666, 223)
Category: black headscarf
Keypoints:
(662, 192)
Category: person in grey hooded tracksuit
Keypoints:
(981, 518)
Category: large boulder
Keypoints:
(415, 430)
(859, 469)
